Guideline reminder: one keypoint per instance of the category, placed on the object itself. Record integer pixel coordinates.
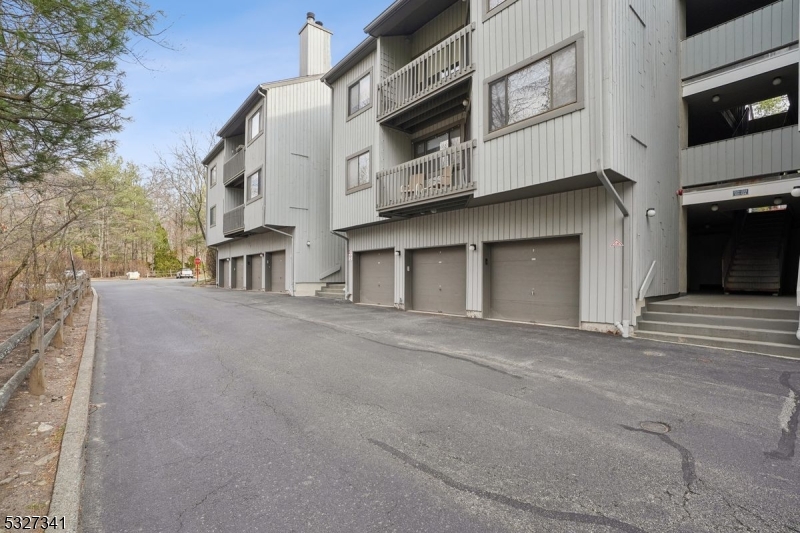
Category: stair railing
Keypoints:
(730, 251)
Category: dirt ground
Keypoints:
(31, 428)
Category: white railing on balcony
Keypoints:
(439, 175)
(769, 28)
(443, 64)
(233, 220)
(233, 167)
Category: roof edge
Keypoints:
(356, 54)
(214, 151)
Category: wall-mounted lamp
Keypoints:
(777, 200)
(777, 81)
(715, 208)
(716, 98)
(260, 255)
(472, 247)
(397, 252)
(308, 243)
(651, 213)
(796, 192)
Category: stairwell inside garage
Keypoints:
(331, 291)
(752, 305)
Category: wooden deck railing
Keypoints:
(233, 167)
(233, 220)
(34, 333)
(437, 175)
(443, 64)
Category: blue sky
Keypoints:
(222, 50)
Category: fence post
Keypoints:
(58, 340)
(36, 381)
(70, 299)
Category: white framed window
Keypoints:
(254, 125)
(212, 176)
(540, 88)
(359, 95)
(359, 171)
(254, 185)
(493, 7)
(212, 216)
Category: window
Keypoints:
(212, 176)
(494, 3)
(493, 7)
(254, 185)
(212, 216)
(545, 85)
(358, 172)
(254, 125)
(360, 95)
(438, 142)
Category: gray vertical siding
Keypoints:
(349, 137)
(642, 140)
(589, 213)
(448, 22)
(216, 196)
(763, 30)
(548, 151)
(770, 152)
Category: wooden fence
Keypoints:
(39, 340)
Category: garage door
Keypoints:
(439, 280)
(536, 281)
(254, 270)
(221, 267)
(278, 282)
(376, 277)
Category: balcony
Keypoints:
(440, 67)
(768, 153)
(233, 221)
(233, 168)
(436, 182)
(763, 30)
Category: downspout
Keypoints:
(347, 295)
(264, 210)
(602, 106)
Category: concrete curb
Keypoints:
(66, 499)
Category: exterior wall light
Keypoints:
(472, 247)
(796, 192)
(308, 243)
(716, 98)
(651, 213)
(777, 81)
(715, 208)
(397, 252)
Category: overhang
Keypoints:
(358, 54)
(404, 17)
(214, 151)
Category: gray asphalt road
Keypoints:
(232, 411)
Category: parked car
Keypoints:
(184, 273)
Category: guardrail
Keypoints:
(443, 64)
(233, 221)
(39, 341)
(233, 167)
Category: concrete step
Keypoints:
(722, 310)
(738, 277)
(784, 350)
(335, 285)
(752, 286)
(719, 320)
(721, 332)
(339, 295)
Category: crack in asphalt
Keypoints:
(789, 421)
(563, 516)
(202, 501)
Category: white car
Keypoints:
(184, 273)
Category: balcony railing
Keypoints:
(233, 167)
(448, 61)
(761, 154)
(438, 176)
(766, 29)
(233, 221)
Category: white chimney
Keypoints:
(315, 48)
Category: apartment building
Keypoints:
(268, 183)
(565, 162)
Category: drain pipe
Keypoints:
(601, 108)
(294, 268)
(347, 295)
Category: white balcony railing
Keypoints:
(443, 64)
(435, 176)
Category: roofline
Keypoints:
(253, 97)
(357, 54)
(214, 151)
(387, 14)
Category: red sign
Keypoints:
(197, 261)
